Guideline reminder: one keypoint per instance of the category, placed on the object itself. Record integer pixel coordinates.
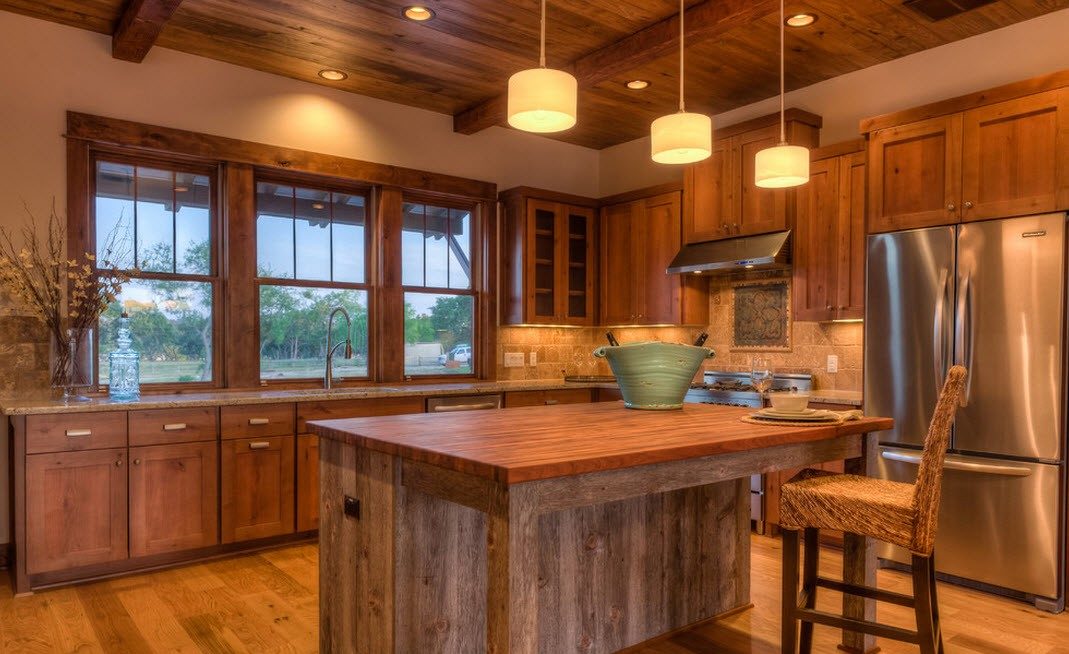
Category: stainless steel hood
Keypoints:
(763, 252)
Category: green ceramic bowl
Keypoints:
(653, 375)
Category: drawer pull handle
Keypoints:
(79, 433)
(552, 402)
(259, 421)
(259, 445)
(174, 426)
(447, 408)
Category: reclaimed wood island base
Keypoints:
(584, 528)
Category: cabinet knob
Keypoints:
(828, 307)
(137, 462)
(118, 464)
(736, 226)
(951, 207)
(968, 205)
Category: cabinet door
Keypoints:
(75, 509)
(1015, 157)
(712, 199)
(762, 210)
(815, 243)
(657, 237)
(307, 482)
(544, 270)
(174, 497)
(577, 256)
(850, 239)
(914, 175)
(257, 488)
(616, 265)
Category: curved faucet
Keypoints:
(328, 374)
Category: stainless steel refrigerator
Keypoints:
(989, 295)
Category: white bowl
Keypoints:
(785, 401)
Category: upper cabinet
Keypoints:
(639, 238)
(1002, 153)
(829, 237)
(722, 200)
(547, 258)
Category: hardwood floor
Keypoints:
(268, 602)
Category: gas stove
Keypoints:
(734, 388)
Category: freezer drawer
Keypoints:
(998, 520)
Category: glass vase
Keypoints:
(73, 365)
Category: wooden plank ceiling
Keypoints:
(459, 62)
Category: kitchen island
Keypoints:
(550, 529)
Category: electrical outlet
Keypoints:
(833, 363)
(513, 359)
(534, 358)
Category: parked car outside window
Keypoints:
(460, 354)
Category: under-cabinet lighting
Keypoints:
(417, 13)
(849, 320)
(333, 75)
(638, 84)
(801, 20)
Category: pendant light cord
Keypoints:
(782, 92)
(542, 39)
(682, 108)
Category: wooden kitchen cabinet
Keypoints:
(722, 200)
(829, 237)
(257, 492)
(76, 509)
(174, 497)
(548, 397)
(1000, 153)
(638, 240)
(548, 258)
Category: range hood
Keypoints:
(763, 252)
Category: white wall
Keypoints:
(1014, 53)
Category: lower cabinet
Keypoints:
(307, 482)
(75, 509)
(258, 492)
(174, 497)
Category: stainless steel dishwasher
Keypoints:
(463, 403)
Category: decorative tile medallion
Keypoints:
(761, 318)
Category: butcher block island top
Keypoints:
(544, 529)
(531, 443)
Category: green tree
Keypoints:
(451, 319)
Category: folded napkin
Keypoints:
(853, 414)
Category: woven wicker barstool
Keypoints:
(894, 512)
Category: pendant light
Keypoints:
(682, 137)
(542, 99)
(783, 165)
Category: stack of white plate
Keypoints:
(804, 415)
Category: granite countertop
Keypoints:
(836, 397)
(37, 403)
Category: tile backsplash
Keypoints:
(24, 353)
(567, 351)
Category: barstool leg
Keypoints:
(935, 605)
(923, 583)
(789, 628)
(810, 565)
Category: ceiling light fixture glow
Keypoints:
(638, 84)
(801, 20)
(542, 100)
(417, 13)
(783, 165)
(333, 75)
(682, 137)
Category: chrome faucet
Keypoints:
(328, 374)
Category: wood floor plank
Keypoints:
(263, 603)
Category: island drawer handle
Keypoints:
(259, 445)
(78, 433)
(465, 407)
(259, 421)
(174, 426)
(552, 402)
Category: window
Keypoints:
(436, 273)
(157, 221)
(311, 254)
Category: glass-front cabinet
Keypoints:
(548, 260)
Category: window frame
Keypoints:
(122, 156)
(328, 185)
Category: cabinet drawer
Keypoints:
(257, 421)
(163, 426)
(332, 409)
(548, 397)
(70, 432)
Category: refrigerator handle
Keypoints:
(963, 317)
(951, 463)
(939, 346)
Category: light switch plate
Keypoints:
(534, 358)
(833, 363)
(513, 359)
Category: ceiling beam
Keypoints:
(139, 26)
(703, 22)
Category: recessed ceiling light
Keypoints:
(801, 20)
(332, 75)
(417, 13)
(318, 205)
(181, 189)
(638, 84)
